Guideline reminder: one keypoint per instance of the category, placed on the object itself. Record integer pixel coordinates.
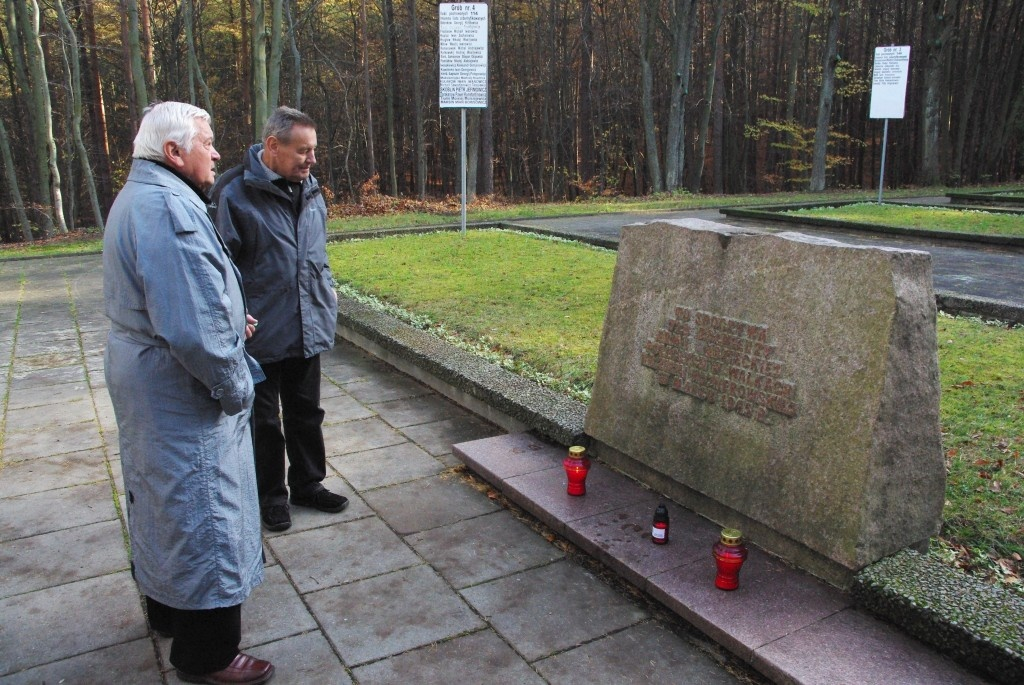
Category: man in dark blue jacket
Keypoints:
(273, 219)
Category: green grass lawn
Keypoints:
(930, 218)
(536, 305)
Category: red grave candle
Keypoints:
(729, 553)
(576, 466)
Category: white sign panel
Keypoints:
(889, 82)
(462, 30)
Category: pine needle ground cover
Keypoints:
(536, 306)
(929, 218)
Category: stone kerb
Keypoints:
(783, 384)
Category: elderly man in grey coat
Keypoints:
(182, 386)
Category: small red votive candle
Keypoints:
(729, 553)
(576, 466)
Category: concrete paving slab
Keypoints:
(552, 608)
(438, 437)
(37, 362)
(772, 601)
(332, 555)
(47, 473)
(73, 373)
(348, 364)
(51, 416)
(130, 663)
(359, 436)
(428, 503)
(621, 539)
(483, 548)
(481, 657)
(386, 466)
(543, 494)
(273, 611)
(44, 512)
(383, 616)
(303, 660)
(36, 630)
(504, 456)
(305, 518)
(340, 408)
(43, 561)
(50, 394)
(853, 642)
(647, 652)
(382, 388)
(416, 410)
(21, 445)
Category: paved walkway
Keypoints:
(969, 269)
(423, 579)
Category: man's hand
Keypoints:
(250, 326)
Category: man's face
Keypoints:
(293, 159)
(200, 162)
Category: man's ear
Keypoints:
(271, 144)
(172, 154)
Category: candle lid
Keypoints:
(731, 536)
(576, 451)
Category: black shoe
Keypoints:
(276, 517)
(322, 499)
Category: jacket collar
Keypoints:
(157, 173)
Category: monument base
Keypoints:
(769, 539)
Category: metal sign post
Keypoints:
(462, 30)
(888, 93)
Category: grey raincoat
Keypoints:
(182, 388)
(288, 283)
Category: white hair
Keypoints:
(167, 121)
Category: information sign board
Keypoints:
(889, 81)
(462, 29)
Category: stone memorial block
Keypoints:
(779, 383)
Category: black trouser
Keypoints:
(291, 391)
(205, 640)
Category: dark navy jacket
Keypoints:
(288, 284)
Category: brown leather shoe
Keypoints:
(244, 670)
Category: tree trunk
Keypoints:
(42, 117)
(146, 38)
(75, 88)
(17, 30)
(697, 167)
(682, 45)
(937, 29)
(134, 48)
(276, 52)
(648, 20)
(828, 87)
(195, 73)
(417, 103)
(371, 161)
(472, 152)
(10, 173)
(260, 109)
(585, 156)
(93, 99)
(485, 175)
(296, 57)
(387, 11)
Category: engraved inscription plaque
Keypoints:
(724, 361)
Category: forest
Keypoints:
(586, 97)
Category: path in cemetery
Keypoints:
(963, 268)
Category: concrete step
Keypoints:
(788, 625)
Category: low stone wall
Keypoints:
(977, 624)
